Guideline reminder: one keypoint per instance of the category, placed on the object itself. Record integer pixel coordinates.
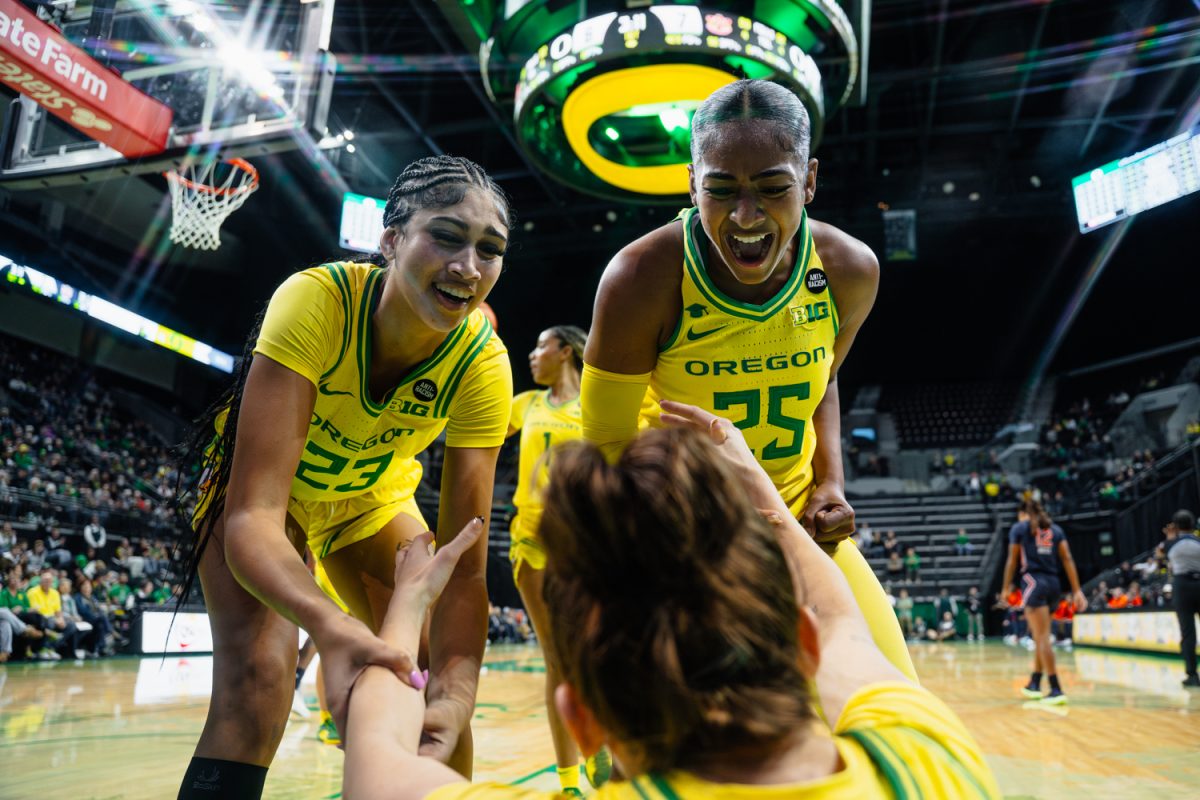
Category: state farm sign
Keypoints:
(38, 62)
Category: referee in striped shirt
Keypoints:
(1183, 554)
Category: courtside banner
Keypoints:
(41, 64)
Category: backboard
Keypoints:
(243, 77)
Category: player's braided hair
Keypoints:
(438, 182)
(206, 457)
(673, 609)
(205, 460)
(573, 337)
(754, 100)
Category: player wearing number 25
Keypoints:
(356, 370)
(745, 307)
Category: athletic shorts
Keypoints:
(524, 546)
(332, 525)
(326, 585)
(1039, 590)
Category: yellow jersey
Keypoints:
(318, 324)
(765, 367)
(543, 426)
(896, 740)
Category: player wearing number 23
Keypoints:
(356, 369)
(745, 307)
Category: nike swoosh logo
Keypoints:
(324, 388)
(693, 335)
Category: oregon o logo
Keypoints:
(425, 389)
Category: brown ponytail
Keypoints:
(674, 610)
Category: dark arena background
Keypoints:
(1027, 173)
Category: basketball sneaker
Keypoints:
(1032, 690)
(598, 768)
(1191, 681)
(328, 732)
(1055, 697)
(571, 792)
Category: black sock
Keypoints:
(210, 778)
(1035, 680)
(1054, 683)
(299, 677)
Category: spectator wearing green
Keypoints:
(912, 566)
(119, 593)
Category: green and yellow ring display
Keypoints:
(616, 91)
(600, 80)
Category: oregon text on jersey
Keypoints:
(746, 366)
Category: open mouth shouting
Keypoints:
(453, 296)
(749, 250)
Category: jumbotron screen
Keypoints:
(1124, 187)
(362, 222)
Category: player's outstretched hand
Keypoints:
(422, 574)
(348, 647)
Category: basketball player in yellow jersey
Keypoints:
(355, 371)
(746, 307)
(545, 419)
(680, 592)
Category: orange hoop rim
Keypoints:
(239, 163)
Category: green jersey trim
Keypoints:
(371, 291)
(551, 404)
(663, 786)
(637, 788)
(338, 273)
(892, 766)
(667, 345)
(694, 266)
(951, 759)
(480, 341)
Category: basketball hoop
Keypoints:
(199, 205)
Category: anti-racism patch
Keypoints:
(425, 389)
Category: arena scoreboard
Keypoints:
(602, 93)
(362, 223)
(1119, 189)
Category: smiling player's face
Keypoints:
(751, 192)
(446, 260)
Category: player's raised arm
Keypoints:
(638, 299)
(853, 274)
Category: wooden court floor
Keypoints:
(125, 728)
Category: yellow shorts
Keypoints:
(334, 524)
(322, 579)
(525, 547)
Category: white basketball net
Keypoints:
(199, 205)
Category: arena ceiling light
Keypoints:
(603, 102)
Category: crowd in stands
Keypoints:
(86, 517)
(64, 600)
(67, 452)
(1145, 584)
(947, 612)
(508, 625)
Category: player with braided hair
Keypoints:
(353, 371)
